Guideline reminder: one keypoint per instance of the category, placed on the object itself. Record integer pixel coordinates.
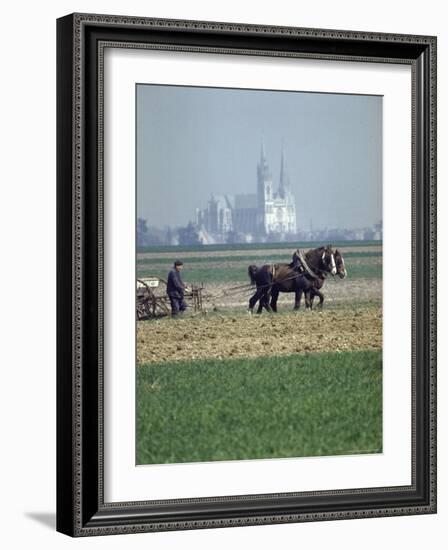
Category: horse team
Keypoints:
(304, 275)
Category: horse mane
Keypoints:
(315, 251)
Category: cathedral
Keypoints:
(251, 217)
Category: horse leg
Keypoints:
(262, 303)
(266, 293)
(308, 303)
(274, 298)
(265, 300)
(298, 299)
(263, 280)
(319, 294)
(254, 299)
(260, 297)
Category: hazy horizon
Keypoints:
(194, 142)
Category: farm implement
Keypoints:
(152, 300)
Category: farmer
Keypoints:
(175, 289)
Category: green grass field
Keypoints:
(253, 246)
(269, 407)
(229, 263)
(238, 274)
(156, 259)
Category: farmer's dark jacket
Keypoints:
(175, 287)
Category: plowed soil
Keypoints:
(240, 335)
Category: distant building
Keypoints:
(251, 216)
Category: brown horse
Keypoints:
(306, 284)
(316, 263)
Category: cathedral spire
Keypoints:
(263, 160)
(284, 180)
(263, 168)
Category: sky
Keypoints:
(193, 142)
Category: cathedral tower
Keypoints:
(286, 213)
(265, 193)
(283, 187)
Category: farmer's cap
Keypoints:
(178, 262)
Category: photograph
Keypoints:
(259, 247)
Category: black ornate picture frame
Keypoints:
(81, 508)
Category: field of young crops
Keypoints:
(297, 405)
(229, 263)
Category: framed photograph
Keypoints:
(246, 274)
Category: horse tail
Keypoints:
(252, 270)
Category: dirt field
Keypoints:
(336, 292)
(239, 335)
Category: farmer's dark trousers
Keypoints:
(177, 304)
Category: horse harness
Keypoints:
(305, 268)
